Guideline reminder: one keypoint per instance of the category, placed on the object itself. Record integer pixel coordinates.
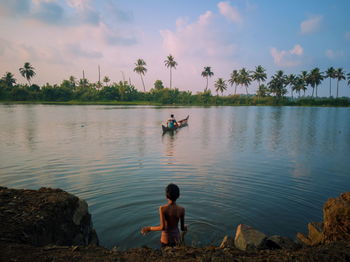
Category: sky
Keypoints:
(61, 38)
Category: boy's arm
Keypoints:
(157, 228)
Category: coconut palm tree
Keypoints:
(290, 79)
(220, 85)
(234, 79)
(72, 82)
(277, 85)
(259, 74)
(207, 73)
(298, 84)
(330, 74)
(170, 63)
(305, 76)
(106, 80)
(339, 75)
(262, 91)
(348, 79)
(27, 71)
(83, 82)
(244, 78)
(315, 79)
(141, 69)
(8, 79)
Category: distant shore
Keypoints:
(216, 101)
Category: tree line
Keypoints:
(272, 92)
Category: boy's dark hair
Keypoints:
(172, 192)
(171, 115)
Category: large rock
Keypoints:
(315, 235)
(45, 216)
(336, 218)
(249, 239)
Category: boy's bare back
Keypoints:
(172, 214)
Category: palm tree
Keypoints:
(348, 79)
(207, 73)
(8, 79)
(220, 85)
(278, 83)
(106, 80)
(170, 63)
(290, 81)
(330, 73)
(244, 78)
(72, 81)
(262, 91)
(315, 79)
(305, 76)
(339, 75)
(234, 79)
(259, 74)
(27, 71)
(298, 84)
(83, 82)
(141, 69)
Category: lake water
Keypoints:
(269, 167)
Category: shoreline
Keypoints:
(53, 225)
(156, 104)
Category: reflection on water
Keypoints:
(270, 167)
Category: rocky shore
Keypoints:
(53, 225)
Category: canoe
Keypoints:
(180, 124)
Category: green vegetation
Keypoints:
(73, 91)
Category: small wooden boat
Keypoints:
(180, 124)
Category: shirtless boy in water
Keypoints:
(170, 214)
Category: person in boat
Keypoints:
(170, 214)
(172, 122)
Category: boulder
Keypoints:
(336, 218)
(249, 239)
(45, 217)
(227, 242)
(315, 235)
(282, 242)
(315, 232)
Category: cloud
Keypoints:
(297, 50)
(14, 7)
(4, 44)
(49, 12)
(287, 58)
(77, 50)
(333, 55)
(311, 25)
(230, 12)
(197, 39)
(54, 12)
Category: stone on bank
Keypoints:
(248, 239)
